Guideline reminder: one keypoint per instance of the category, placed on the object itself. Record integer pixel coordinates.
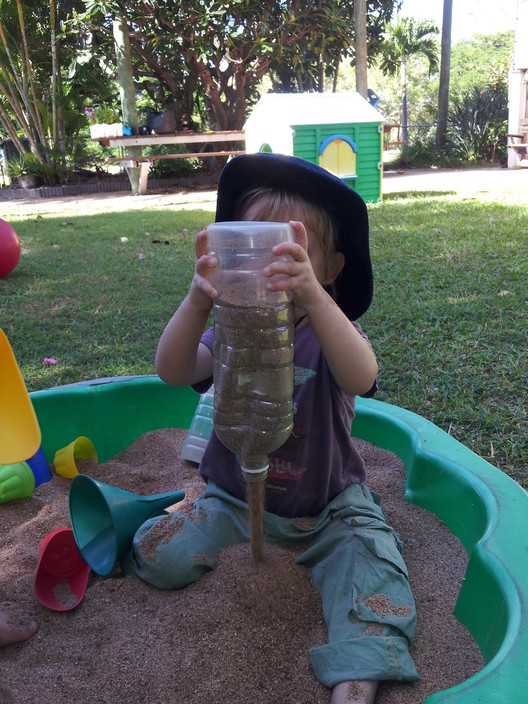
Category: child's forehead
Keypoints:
(275, 207)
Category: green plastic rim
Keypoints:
(482, 506)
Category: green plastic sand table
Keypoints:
(482, 506)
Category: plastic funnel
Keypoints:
(19, 428)
(16, 481)
(80, 449)
(62, 574)
(40, 467)
(104, 519)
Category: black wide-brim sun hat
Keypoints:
(354, 286)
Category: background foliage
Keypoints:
(208, 62)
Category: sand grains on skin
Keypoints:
(236, 634)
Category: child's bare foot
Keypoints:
(356, 692)
(15, 626)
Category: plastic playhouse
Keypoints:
(486, 509)
(342, 132)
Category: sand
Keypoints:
(232, 637)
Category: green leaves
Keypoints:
(478, 123)
(409, 37)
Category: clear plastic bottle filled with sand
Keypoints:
(253, 345)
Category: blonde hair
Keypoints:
(278, 205)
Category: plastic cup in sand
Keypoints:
(62, 575)
(17, 481)
(81, 448)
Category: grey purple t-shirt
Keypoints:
(319, 459)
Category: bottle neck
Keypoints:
(254, 474)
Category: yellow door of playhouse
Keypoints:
(339, 158)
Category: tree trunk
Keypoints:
(54, 68)
(15, 106)
(127, 92)
(336, 73)
(360, 26)
(404, 103)
(35, 112)
(11, 132)
(445, 61)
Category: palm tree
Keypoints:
(408, 37)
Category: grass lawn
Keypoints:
(448, 321)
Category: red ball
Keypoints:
(9, 248)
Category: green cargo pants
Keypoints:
(356, 564)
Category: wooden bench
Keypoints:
(519, 144)
(387, 129)
(143, 161)
(157, 157)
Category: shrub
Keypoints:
(477, 124)
(422, 153)
(171, 168)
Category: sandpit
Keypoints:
(229, 637)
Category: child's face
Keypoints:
(315, 250)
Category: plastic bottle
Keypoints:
(200, 429)
(253, 347)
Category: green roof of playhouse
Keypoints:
(276, 114)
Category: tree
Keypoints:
(127, 92)
(408, 37)
(480, 61)
(20, 108)
(445, 64)
(210, 57)
(39, 103)
(478, 113)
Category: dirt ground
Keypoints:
(494, 184)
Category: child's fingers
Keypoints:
(299, 231)
(200, 243)
(205, 263)
(201, 280)
(206, 286)
(294, 249)
(284, 267)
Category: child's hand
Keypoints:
(201, 287)
(297, 274)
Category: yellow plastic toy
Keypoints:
(19, 429)
(80, 449)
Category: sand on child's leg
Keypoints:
(356, 692)
(15, 624)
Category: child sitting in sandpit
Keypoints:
(353, 553)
